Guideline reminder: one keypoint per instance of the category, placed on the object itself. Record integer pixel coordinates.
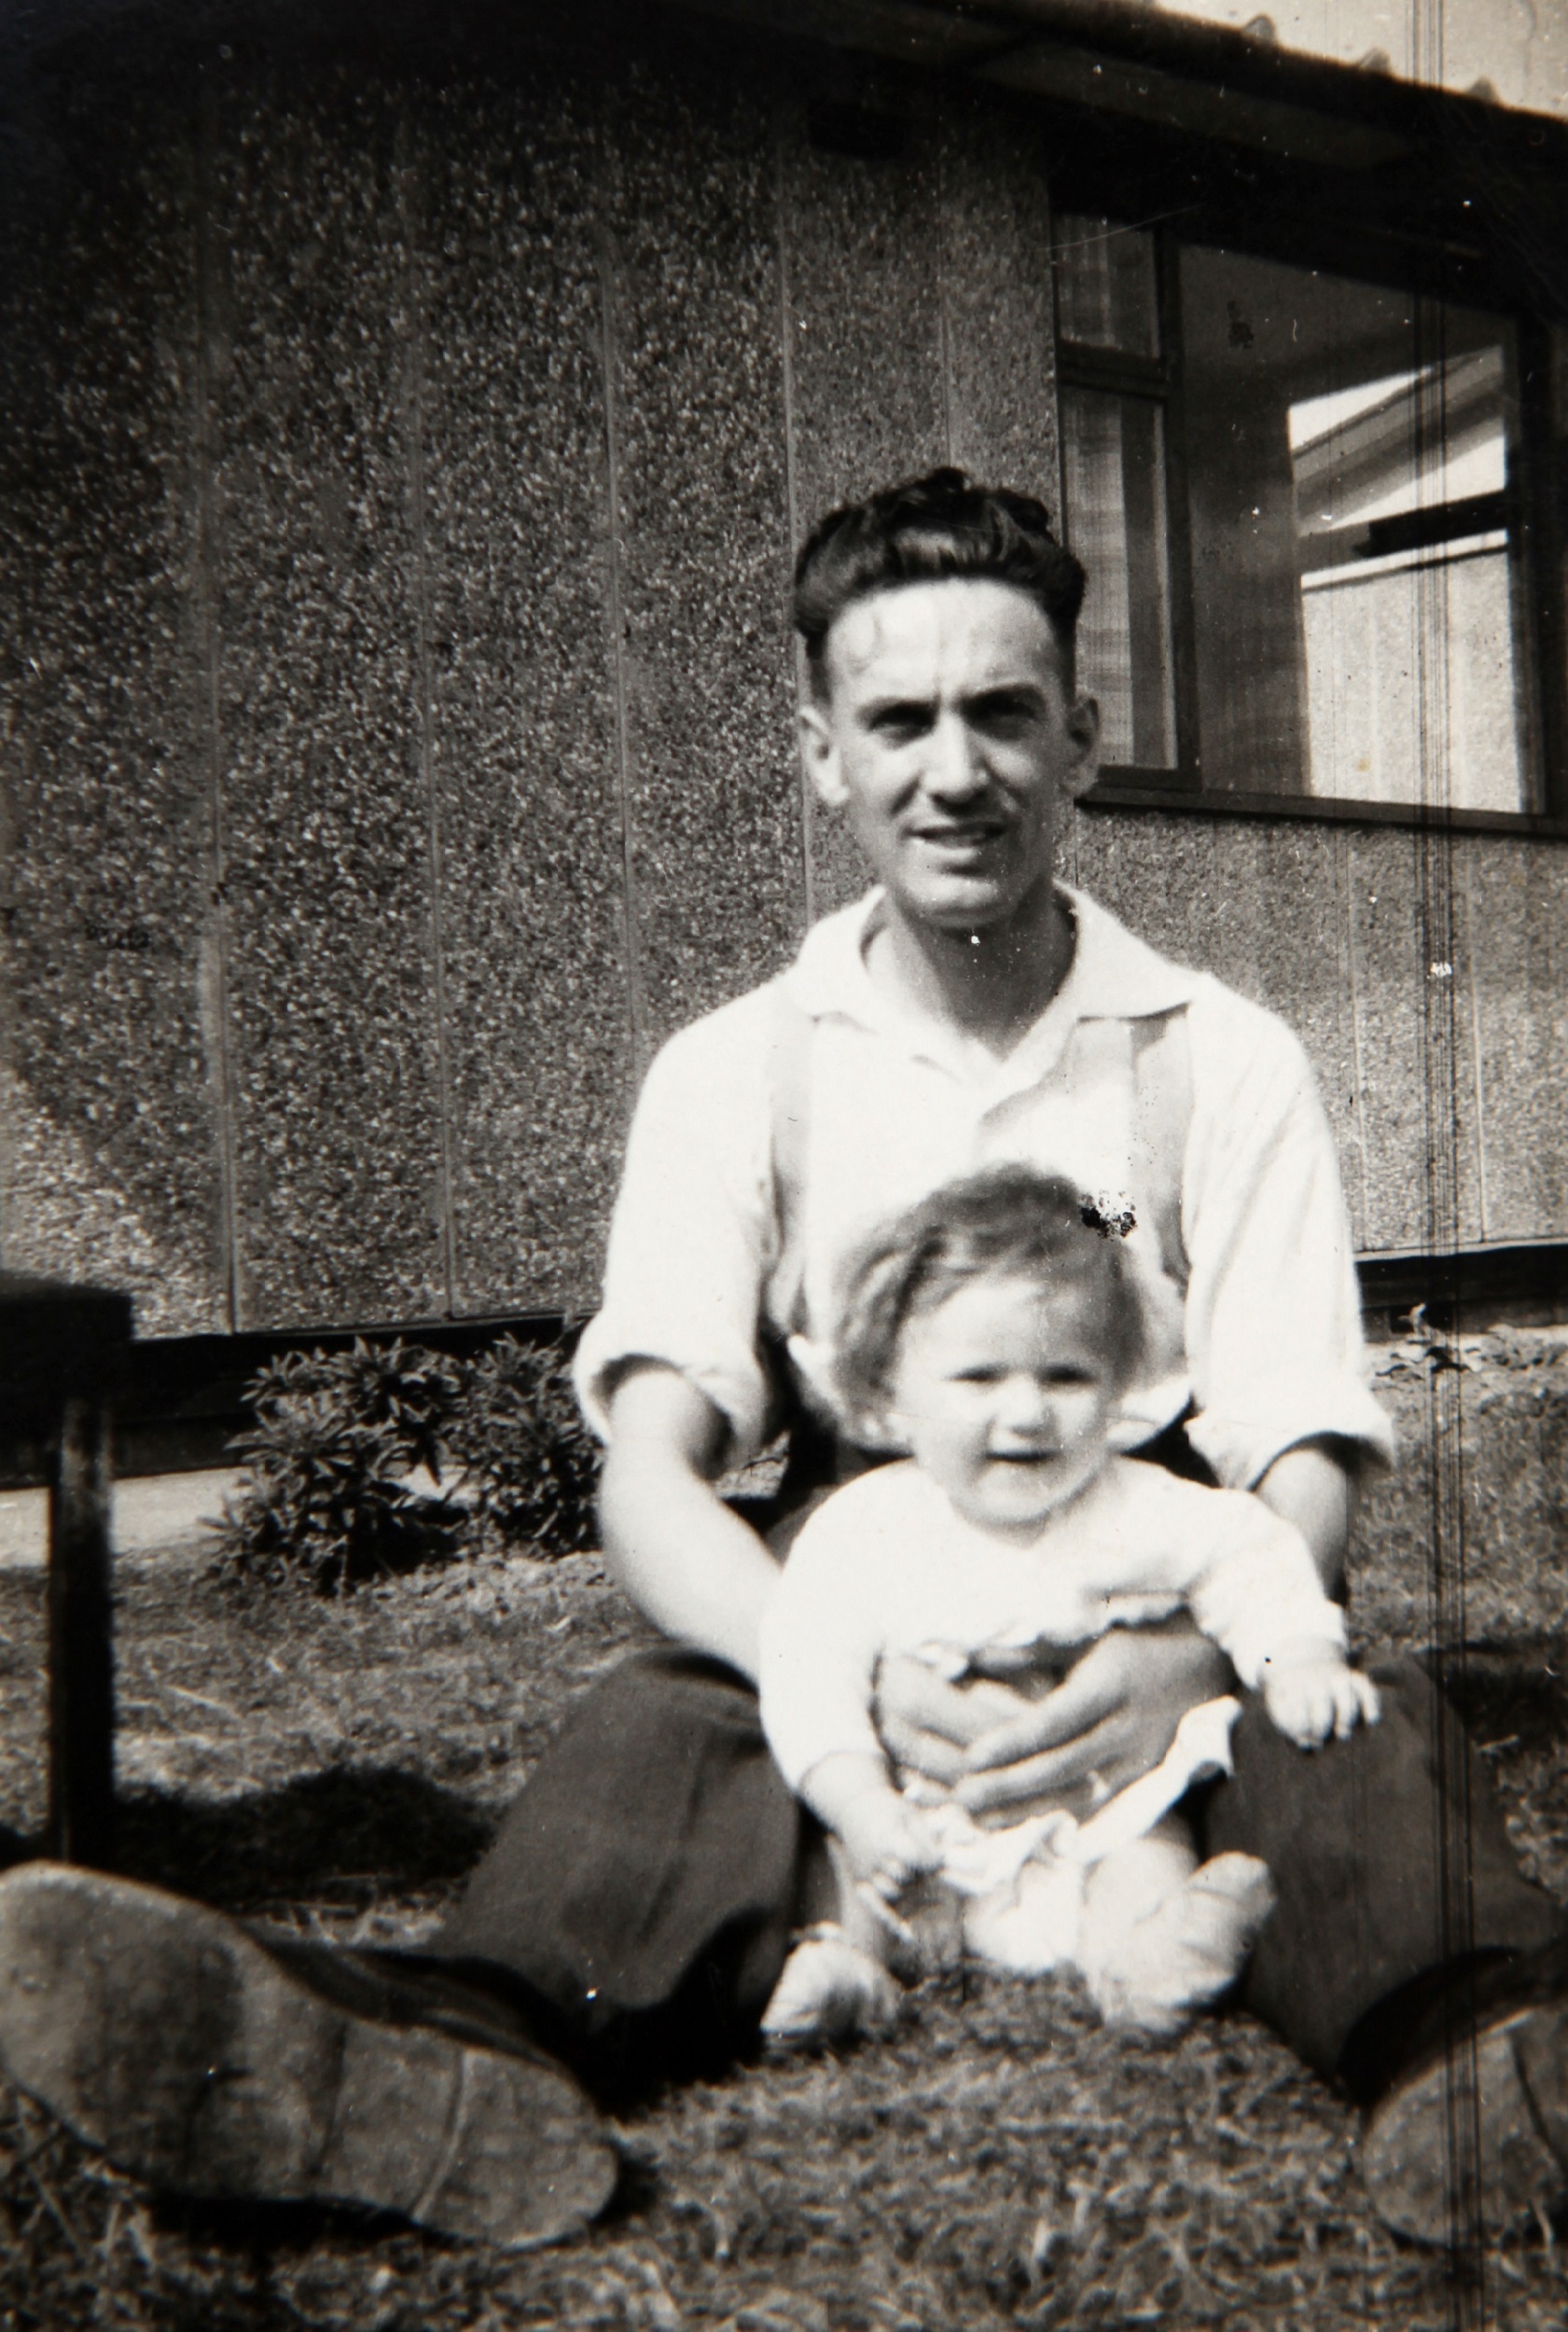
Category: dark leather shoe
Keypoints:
(211, 2065)
(1472, 2136)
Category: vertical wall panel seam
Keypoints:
(208, 633)
(944, 332)
(637, 1016)
(1467, 863)
(783, 226)
(412, 214)
(1357, 1049)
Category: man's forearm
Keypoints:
(686, 1560)
(1314, 1486)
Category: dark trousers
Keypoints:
(642, 1890)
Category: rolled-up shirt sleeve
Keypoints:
(1273, 1306)
(692, 1231)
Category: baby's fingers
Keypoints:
(1357, 1705)
(1302, 1706)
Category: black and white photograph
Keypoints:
(784, 1165)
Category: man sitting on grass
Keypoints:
(638, 1905)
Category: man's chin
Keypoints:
(960, 907)
(967, 903)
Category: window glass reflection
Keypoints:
(1107, 286)
(1114, 465)
(1354, 579)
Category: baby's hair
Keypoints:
(1007, 1220)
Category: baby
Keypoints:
(989, 1333)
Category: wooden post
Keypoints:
(82, 1813)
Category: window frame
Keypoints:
(1536, 518)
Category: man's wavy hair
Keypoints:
(1008, 1220)
(925, 530)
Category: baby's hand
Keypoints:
(887, 1843)
(1318, 1698)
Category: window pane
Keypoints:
(1354, 576)
(1113, 460)
(1105, 286)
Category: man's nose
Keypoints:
(955, 769)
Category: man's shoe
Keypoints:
(1472, 2137)
(198, 2060)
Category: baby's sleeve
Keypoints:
(1259, 1596)
(823, 1634)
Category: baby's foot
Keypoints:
(1188, 1950)
(829, 1989)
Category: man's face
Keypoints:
(950, 736)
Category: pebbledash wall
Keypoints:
(400, 469)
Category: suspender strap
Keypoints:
(1161, 1120)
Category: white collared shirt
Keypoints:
(1263, 1297)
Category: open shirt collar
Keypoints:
(1112, 976)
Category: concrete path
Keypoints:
(155, 1515)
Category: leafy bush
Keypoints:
(519, 1438)
(326, 1495)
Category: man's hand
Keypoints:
(1113, 1719)
(928, 1724)
(1317, 1698)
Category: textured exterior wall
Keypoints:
(397, 501)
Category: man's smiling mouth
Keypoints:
(959, 837)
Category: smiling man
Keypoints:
(971, 1010)
(638, 1904)
(968, 1010)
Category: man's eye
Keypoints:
(900, 725)
(1003, 717)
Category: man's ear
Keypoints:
(1083, 727)
(819, 755)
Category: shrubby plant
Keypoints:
(326, 1495)
(521, 1443)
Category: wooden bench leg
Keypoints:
(81, 1808)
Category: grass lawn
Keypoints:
(1000, 2161)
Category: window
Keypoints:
(1298, 499)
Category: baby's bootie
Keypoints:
(1189, 1950)
(829, 1991)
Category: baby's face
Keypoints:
(1002, 1396)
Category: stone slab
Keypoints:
(522, 670)
(863, 318)
(701, 542)
(111, 1162)
(1410, 957)
(313, 330)
(1517, 900)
